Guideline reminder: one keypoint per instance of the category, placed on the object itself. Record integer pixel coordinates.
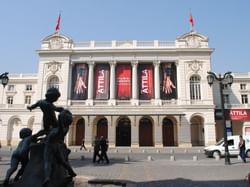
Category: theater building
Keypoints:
(134, 93)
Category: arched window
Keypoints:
(195, 88)
(53, 82)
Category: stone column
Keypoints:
(112, 83)
(157, 82)
(184, 133)
(90, 83)
(134, 83)
(111, 133)
(88, 131)
(134, 131)
(157, 132)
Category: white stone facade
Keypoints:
(186, 119)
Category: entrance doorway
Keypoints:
(123, 132)
(80, 131)
(197, 131)
(145, 132)
(102, 128)
(168, 132)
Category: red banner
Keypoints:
(146, 81)
(123, 81)
(102, 81)
(237, 114)
(79, 82)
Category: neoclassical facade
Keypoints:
(134, 93)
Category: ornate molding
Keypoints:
(53, 67)
(195, 66)
(56, 43)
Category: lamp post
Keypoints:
(226, 79)
(4, 79)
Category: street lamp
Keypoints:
(226, 79)
(4, 79)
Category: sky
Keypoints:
(23, 25)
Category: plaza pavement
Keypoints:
(154, 167)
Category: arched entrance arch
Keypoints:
(145, 132)
(80, 131)
(123, 132)
(197, 130)
(31, 122)
(14, 126)
(168, 132)
(102, 128)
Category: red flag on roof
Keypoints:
(58, 23)
(191, 20)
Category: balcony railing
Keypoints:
(124, 44)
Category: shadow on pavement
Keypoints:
(180, 182)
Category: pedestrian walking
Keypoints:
(83, 145)
(242, 148)
(104, 149)
(96, 150)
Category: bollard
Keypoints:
(116, 151)
(185, 150)
(157, 151)
(130, 150)
(143, 151)
(199, 150)
(239, 158)
(195, 158)
(217, 157)
(150, 158)
(172, 158)
(171, 151)
(126, 158)
(82, 157)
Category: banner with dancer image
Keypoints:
(102, 81)
(146, 78)
(168, 81)
(79, 89)
(123, 81)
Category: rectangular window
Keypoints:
(244, 99)
(243, 86)
(226, 99)
(11, 87)
(10, 100)
(225, 86)
(28, 87)
(27, 99)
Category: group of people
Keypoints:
(100, 150)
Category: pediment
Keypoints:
(192, 39)
(193, 34)
(56, 41)
(58, 37)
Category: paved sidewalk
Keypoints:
(157, 169)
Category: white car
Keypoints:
(233, 147)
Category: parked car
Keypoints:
(233, 147)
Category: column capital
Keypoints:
(156, 62)
(91, 63)
(112, 63)
(134, 62)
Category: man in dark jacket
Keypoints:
(96, 149)
(104, 149)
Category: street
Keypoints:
(155, 167)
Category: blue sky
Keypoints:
(25, 23)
